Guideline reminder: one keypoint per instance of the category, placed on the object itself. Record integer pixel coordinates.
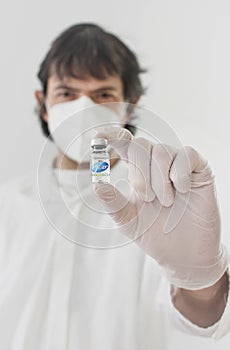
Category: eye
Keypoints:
(65, 94)
(104, 96)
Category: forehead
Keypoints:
(88, 84)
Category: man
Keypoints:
(59, 295)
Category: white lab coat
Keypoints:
(59, 295)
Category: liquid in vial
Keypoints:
(100, 162)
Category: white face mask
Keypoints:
(72, 125)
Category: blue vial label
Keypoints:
(99, 167)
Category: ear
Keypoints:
(39, 96)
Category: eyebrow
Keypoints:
(63, 86)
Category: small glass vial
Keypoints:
(100, 163)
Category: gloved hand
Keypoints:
(172, 213)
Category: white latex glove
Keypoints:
(172, 213)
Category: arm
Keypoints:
(173, 215)
(202, 307)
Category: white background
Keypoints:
(184, 44)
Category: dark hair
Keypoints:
(85, 50)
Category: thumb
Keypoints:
(121, 209)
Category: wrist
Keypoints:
(203, 307)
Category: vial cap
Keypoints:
(99, 142)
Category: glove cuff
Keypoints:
(198, 277)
